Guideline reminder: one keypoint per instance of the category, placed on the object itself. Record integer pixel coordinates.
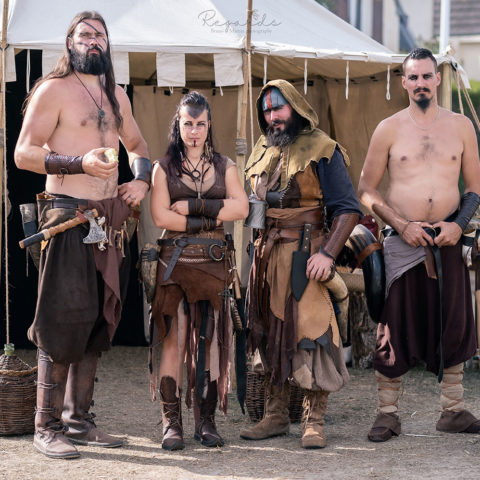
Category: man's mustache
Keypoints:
(421, 89)
(278, 122)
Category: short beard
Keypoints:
(90, 64)
(282, 138)
(423, 103)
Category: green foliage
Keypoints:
(474, 93)
(330, 4)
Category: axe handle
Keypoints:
(55, 230)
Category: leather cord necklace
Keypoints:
(101, 112)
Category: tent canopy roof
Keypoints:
(282, 29)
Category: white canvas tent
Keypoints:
(164, 46)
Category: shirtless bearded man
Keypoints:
(72, 116)
(428, 314)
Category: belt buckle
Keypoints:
(180, 242)
(211, 253)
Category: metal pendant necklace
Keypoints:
(195, 174)
(101, 112)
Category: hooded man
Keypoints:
(300, 172)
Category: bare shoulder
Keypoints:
(122, 96)
(53, 91)
(391, 124)
(459, 119)
(387, 129)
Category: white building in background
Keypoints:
(402, 24)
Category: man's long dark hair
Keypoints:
(64, 66)
(176, 147)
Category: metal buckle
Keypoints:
(180, 242)
(212, 255)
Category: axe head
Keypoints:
(96, 233)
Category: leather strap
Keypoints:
(181, 243)
(368, 250)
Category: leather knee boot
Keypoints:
(78, 399)
(171, 415)
(276, 420)
(205, 428)
(314, 407)
(49, 437)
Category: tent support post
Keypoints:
(3, 148)
(241, 150)
(445, 94)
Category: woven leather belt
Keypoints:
(181, 243)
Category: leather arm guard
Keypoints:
(468, 206)
(56, 164)
(206, 207)
(142, 170)
(339, 233)
(197, 224)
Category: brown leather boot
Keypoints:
(78, 399)
(49, 437)
(171, 415)
(314, 406)
(205, 428)
(276, 420)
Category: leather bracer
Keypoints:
(341, 229)
(468, 206)
(204, 207)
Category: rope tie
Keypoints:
(265, 69)
(305, 76)
(387, 96)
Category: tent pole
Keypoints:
(445, 97)
(241, 148)
(3, 148)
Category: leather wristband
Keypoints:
(142, 170)
(206, 207)
(196, 223)
(341, 229)
(468, 206)
(57, 164)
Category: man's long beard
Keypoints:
(90, 64)
(282, 138)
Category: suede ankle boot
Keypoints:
(276, 420)
(314, 407)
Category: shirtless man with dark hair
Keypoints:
(428, 310)
(72, 117)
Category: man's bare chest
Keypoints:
(426, 151)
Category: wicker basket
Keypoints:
(255, 399)
(17, 396)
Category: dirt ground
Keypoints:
(124, 408)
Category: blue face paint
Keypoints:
(273, 98)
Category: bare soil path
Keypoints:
(123, 407)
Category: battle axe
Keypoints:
(95, 235)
